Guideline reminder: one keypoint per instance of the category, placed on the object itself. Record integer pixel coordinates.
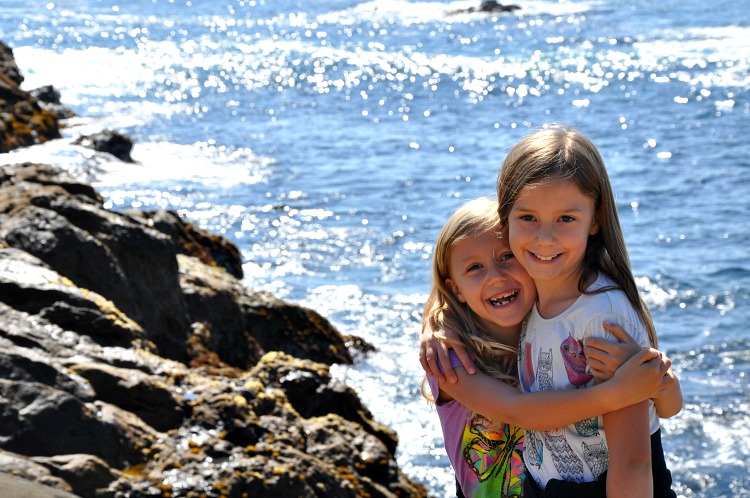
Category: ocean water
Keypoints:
(331, 139)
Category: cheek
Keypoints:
(515, 243)
(524, 280)
(515, 233)
(529, 288)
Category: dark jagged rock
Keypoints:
(113, 255)
(109, 141)
(40, 420)
(87, 474)
(193, 241)
(298, 331)
(20, 472)
(142, 394)
(313, 393)
(134, 363)
(49, 99)
(8, 67)
(23, 121)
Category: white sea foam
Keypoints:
(726, 48)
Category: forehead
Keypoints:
(554, 192)
(490, 240)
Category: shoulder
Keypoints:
(610, 305)
(607, 296)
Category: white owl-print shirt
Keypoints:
(551, 358)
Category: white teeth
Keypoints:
(503, 300)
(546, 258)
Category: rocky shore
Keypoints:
(134, 363)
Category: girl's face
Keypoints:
(549, 226)
(485, 275)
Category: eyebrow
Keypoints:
(565, 210)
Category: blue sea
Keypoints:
(330, 139)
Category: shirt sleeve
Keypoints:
(595, 328)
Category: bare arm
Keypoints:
(604, 357)
(638, 378)
(628, 441)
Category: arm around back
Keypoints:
(637, 380)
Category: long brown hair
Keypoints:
(562, 153)
(444, 311)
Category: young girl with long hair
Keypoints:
(482, 293)
(557, 203)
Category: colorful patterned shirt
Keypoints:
(486, 457)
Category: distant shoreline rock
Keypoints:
(488, 7)
(134, 363)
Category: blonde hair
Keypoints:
(562, 153)
(444, 311)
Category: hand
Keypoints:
(433, 354)
(604, 357)
(666, 364)
(647, 373)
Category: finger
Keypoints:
(595, 363)
(425, 365)
(592, 352)
(427, 357)
(665, 368)
(465, 358)
(646, 355)
(600, 374)
(619, 333)
(424, 351)
(430, 366)
(424, 358)
(602, 348)
(667, 382)
(445, 362)
(666, 360)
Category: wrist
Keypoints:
(623, 393)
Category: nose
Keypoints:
(544, 234)
(497, 273)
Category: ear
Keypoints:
(456, 291)
(595, 224)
